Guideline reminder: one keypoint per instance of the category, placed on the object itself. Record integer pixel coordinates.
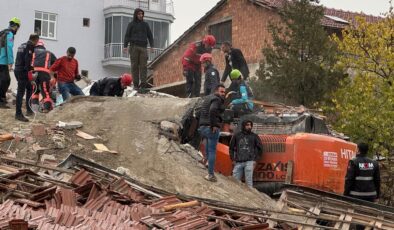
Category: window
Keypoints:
(222, 32)
(86, 22)
(45, 24)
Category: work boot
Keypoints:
(211, 178)
(20, 117)
(29, 113)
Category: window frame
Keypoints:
(49, 21)
(224, 21)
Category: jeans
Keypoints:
(5, 81)
(66, 89)
(210, 146)
(23, 86)
(193, 83)
(139, 62)
(241, 168)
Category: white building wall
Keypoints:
(89, 41)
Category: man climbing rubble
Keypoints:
(111, 86)
(22, 68)
(211, 74)
(210, 120)
(245, 149)
(41, 61)
(192, 65)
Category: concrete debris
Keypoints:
(38, 130)
(59, 141)
(169, 127)
(100, 148)
(70, 125)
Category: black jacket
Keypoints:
(138, 32)
(362, 178)
(245, 146)
(235, 60)
(108, 86)
(211, 110)
(211, 79)
(24, 56)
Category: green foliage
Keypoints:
(364, 104)
(299, 63)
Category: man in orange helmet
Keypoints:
(111, 86)
(192, 65)
(211, 74)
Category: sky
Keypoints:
(189, 11)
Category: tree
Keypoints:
(299, 63)
(364, 103)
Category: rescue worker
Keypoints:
(111, 86)
(22, 67)
(67, 72)
(192, 65)
(211, 74)
(234, 59)
(138, 34)
(42, 60)
(245, 149)
(241, 102)
(210, 120)
(7, 58)
(362, 179)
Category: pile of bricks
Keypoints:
(94, 200)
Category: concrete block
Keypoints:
(38, 130)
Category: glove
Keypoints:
(78, 77)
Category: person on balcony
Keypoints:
(136, 38)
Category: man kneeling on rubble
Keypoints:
(210, 120)
(245, 149)
(111, 86)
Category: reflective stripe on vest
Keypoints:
(46, 64)
(364, 178)
(354, 193)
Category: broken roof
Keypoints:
(333, 18)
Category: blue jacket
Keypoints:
(7, 57)
(244, 96)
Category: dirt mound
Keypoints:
(129, 126)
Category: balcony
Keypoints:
(166, 6)
(114, 55)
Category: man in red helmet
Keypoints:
(192, 65)
(211, 74)
(111, 86)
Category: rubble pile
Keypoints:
(87, 196)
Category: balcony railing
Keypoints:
(115, 51)
(143, 4)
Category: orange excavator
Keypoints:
(298, 149)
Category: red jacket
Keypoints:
(66, 69)
(191, 57)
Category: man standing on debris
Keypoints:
(111, 86)
(192, 65)
(245, 149)
(210, 120)
(362, 179)
(137, 35)
(67, 72)
(211, 74)
(22, 68)
(241, 102)
(234, 60)
(7, 58)
(41, 61)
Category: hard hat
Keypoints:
(235, 74)
(40, 43)
(16, 21)
(126, 79)
(206, 57)
(209, 40)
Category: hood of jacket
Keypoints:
(244, 124)
(136, 11)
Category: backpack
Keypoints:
(3, 37)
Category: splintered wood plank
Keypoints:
(339, 224)
(348, 217)
(312, 211)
